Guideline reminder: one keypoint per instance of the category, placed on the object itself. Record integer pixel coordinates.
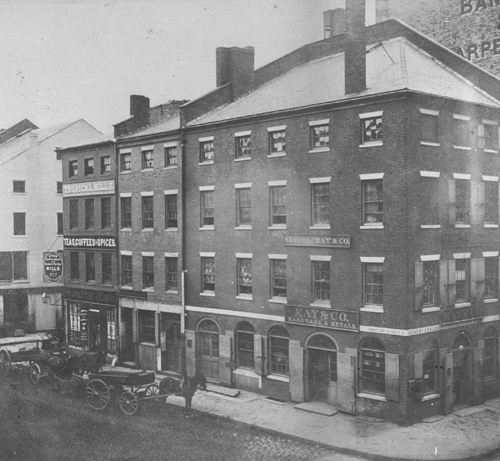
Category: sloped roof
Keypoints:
(170, 124)
(397, 65)
(20, 144)
(100, 139)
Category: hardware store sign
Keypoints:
(311, 240)
(322, 318)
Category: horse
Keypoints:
(185, 387)
(64, 366)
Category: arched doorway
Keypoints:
(207, 345)
(321, 366)
(462, 370)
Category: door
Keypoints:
(462, 370)
(319, 374)
(97, 330)
(128, 350)
(171, 357)
(209, 350)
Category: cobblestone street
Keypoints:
(37, 424)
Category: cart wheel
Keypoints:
(5, 361)
(152, 392)
(97, 394)
(35, 373)
(129, 403)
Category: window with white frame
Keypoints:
(429, 127)
(278, 278)
(319, 133)
(321, 279)
(88, 164)
(171, 273)
(245, 345)
(243, 145)
(277, 140)
(243, 206)
(170, 154)
(147, 158)
(278, 204)
(373, 200)
(206, 150)
(127, 270)
(147, 212)
(207, 208)
(279, 350)
(105, 165)
(126, 161)
(371, 128)
(373, 282)
(490, 135)
(461, 131)
(170, 211)
(148, 272)
(244, 271)
(490, 199)
(491, 277)
(207, 274)
(320, 197)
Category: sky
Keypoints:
(67, 60)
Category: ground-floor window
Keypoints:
(373, 366)
(209, 337)
(430, 366)
(244, 345)
(111, 330)
(278, 347)
(75, 326)
(147, 327)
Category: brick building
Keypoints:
(338, 225)
(89, 173)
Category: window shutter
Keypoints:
(477, 280)
(157, 329)
(392, 377)
(474, 197)
(259, 351)
(451, 283)
(346, 386)
(419, 285)
(418, 366)
(443, 283)
(135, 326)
(296, 360)
(452, 201)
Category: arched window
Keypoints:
(490, 353)
(430, 367)
(209, 337)
(323, 355)
(278, 348)
(244, 345)
(373, 366)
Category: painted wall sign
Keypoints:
(133, 294)
(91, 296)
(322, 318)
(461, 314)
(473, 6)
(90, 243)
(89, 188)
(315, 240)
(52, 267)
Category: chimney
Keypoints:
(139, 105)
(236, 66)
(334, 22)
(383, 11)
(355, 47)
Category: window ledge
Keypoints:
(462, 226)
(172, 292)
(245, 297)
(242, 159)
(284, 379)
(147, 343)
(278, 300)
(491, 151)
(170, 167)
(126, 172)
(462, 148)
(372, 226)
(321, 305)
(245, 227)
(277, 227)
(90, 282)
(246, 372)
(171, 229)
(491, 226)
(148, 290)
(126, 287)
(277, 154)
(425, 310)
(208, 294)
(375, 309)
(430, 226)
(430, 397)
(463, 305)
(126, 229)
(205, 228)
(147, 169)
(20, 236)
(26, 280)
(23, 193)
(371, 144)
(319, 150)
(320, 226)
(490, 300)
(366, 395)
(208, 162)
(432, 144)
(148, 229)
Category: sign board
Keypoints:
(460, 314)
(52, 267)
(91, 296)
(89, 188)
(316, 240)
(90, 243)
(84, 334)
(322, 318)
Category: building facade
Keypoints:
(31, 225)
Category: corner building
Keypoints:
(342, 226)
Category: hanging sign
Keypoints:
(52, 267)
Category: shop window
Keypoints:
(278, 278)
(208, 333)
(243, 146)
(111, 330)
(60, 226)
(207, 208)
(19, 223)
(278, 205)
(75, 326)
(245, 345)
(244, 276)
(207, 151)
(127, 270)
(73, 168)
(106, 212)
(13, 265)
(373, 367)
(90, 267)
(148, 272)
(19, 187)
(147, 159)
(89, 213)
(491, 278)
(461, 132)
(320, 195)
(462, 281)
(74, 266)
(278, 351)
(126, 212)
(105, 165)
(277, 142)
(126, 162)
(208, 274)
(73, 214)
(172, 274)
(244, 207)
(106, 268)
(15, 307)
(373, 284)
(147, 212)
(373, 204)
(490, 202)
(147, 327)
(371, 129)
(321, 281)
(88, 164)
(170, 156)
(320, 136)
(490, 357)
(171, 211)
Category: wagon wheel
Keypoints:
(152, 392)
(5, 363)
(129, 403)
(97, 394)
(35, 373)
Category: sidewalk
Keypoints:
(469, 433)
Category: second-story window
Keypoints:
(373, 204)
(89, 213)
(461, 131)
(490, 136)
(105, 164)
(207, 208)
(320, 195)
(106, 268)
(19, 187)
(19, 223)
(243, 145)
(171, 211)
(147, 212)
(90, 267)
(147, 159)
(171, 273)
(105, 212)
(73, 214)
(126, 212)
(148, 272)
(491, 278)
(462, 197)
(244, 206)
(491, 202)
(462, 280)
(371, 128)
(206, 150)
(127, 270)
(278, 205)
(88, 166)
(73, 168)
(126, 161)
(170, 155)
(277, 141)
(319, 134)
(429, 126)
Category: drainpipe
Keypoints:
(183, 252)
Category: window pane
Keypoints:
(429, 126)
(429, 371)
(19, 187)
(490, 136)
(208, 274)
(320, 136)
(59, 187)
(206, 151)
(371, 129)
(89, 213)
(278, 338)
(207, 208)
(90, 267)
(278, 205)
(105, 164)
(147, 212)
(462, 198)
(73, 168)
(170, 156)
(126, 209)
(147, 327)
(74, 266)
(278, 278)
(321, 280)
(147, 159)
(244, 348)
(373, 370)
(491, 277)
(461, 133)
(148, 274)
(277, 142)
(462, 280)
(171, 267)
(170, 211)
(321, 203)
(244, 203)
(125, 162)
(431, 286)
(244, 276)
(73, 214)
(373, 284)
(106, 212)
(5, 265)
(127, 270)
(243, 146)
(19, 223)
(491, 202)
(20, 259)
(373, 202)
(89, 166)
(106, 268)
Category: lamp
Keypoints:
(48, 300)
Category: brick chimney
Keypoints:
(139, 105)
(334, 22)
(236, 66)
(355, 48)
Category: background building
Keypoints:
(31, 224)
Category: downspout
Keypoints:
(117, 254)
(183, 251)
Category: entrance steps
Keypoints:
(320, 408)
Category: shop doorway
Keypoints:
(207, 345)
(171, 355)
(321, 367)
(97, 330)
(127, 335)
(462, 370)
